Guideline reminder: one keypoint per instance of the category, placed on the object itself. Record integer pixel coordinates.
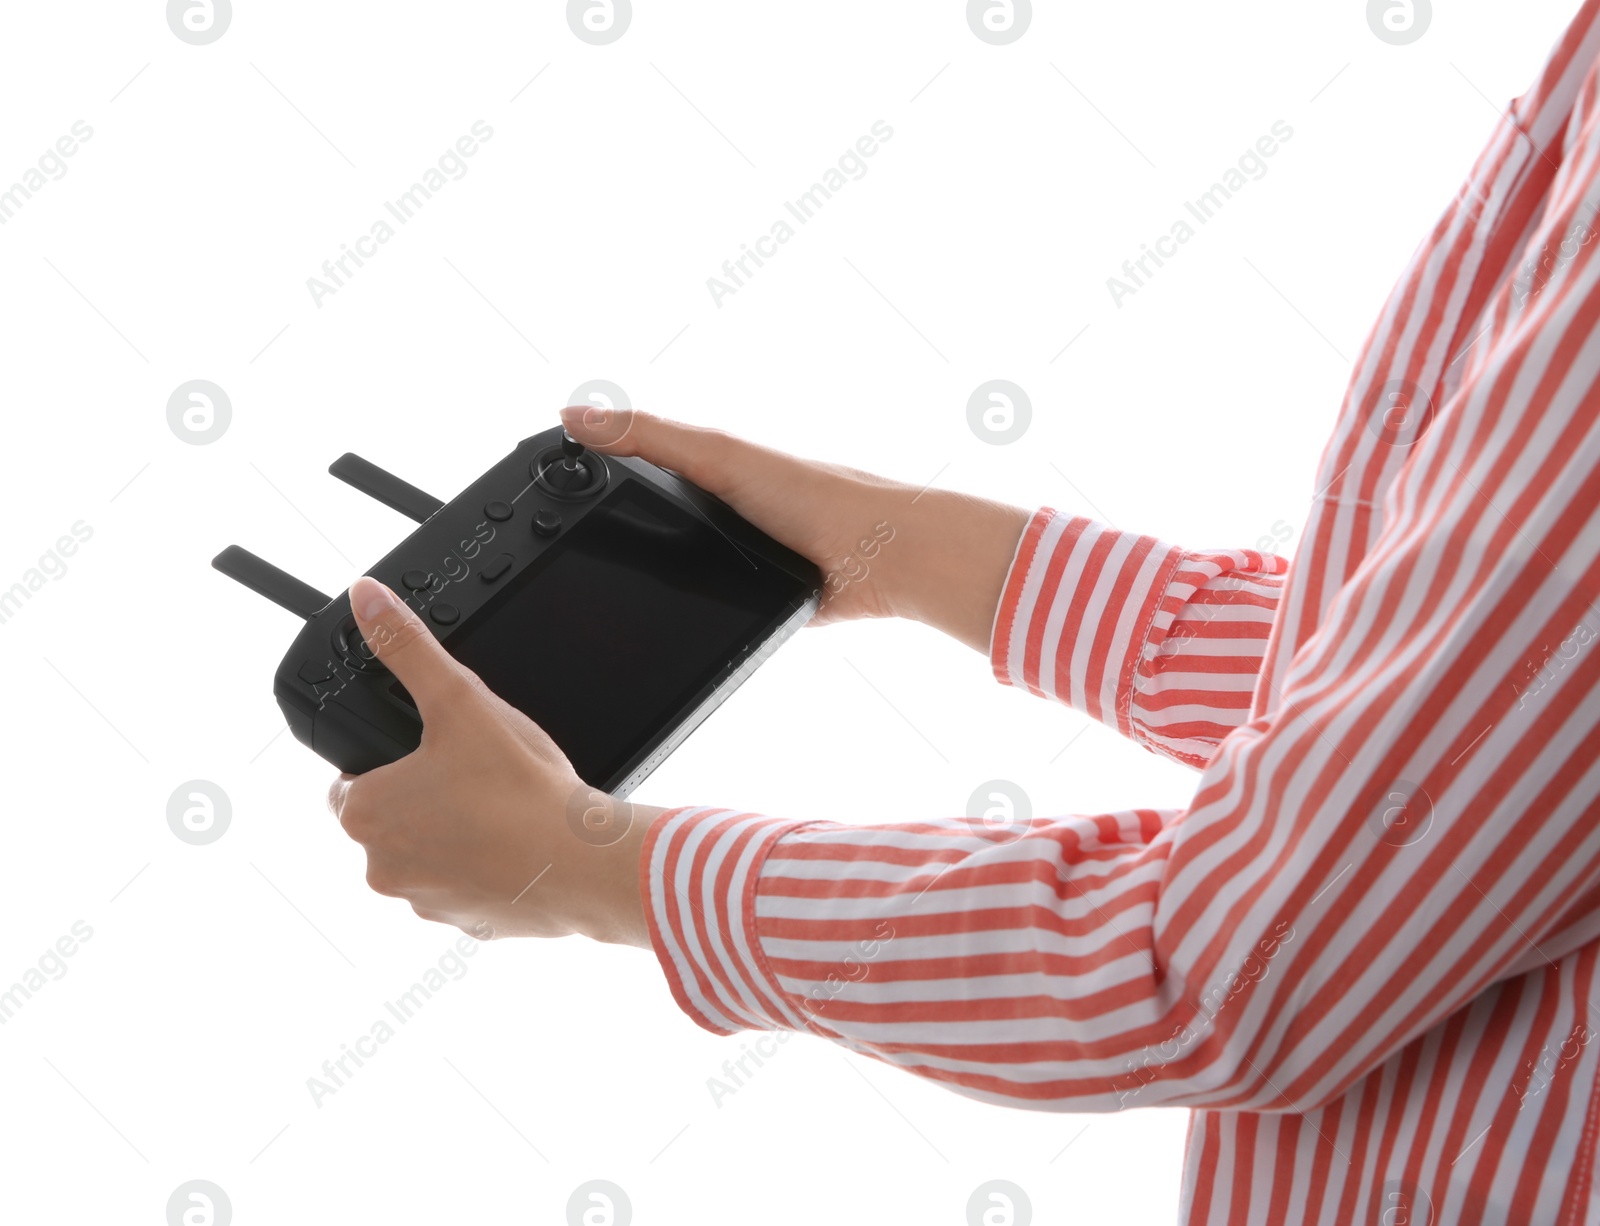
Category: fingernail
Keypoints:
(370, 599)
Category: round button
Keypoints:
(417, 580)
(547, 522)
(353, 649)
(497, 511)
(445, 614)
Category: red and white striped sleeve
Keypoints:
(1161, 644)
(1412, 818)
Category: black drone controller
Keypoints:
(613, 602)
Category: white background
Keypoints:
(178, 245)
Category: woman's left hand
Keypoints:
(486, 825)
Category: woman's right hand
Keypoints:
(885, 549)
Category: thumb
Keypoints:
(695, 452)
(404, 645)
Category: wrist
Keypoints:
(952, 554)
(609, 903)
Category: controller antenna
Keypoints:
(387, 488)
(265, 579)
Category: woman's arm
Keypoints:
(1407, 829)
(1354, 868)
(887, 549)
(1417, 819)
(1161, 644)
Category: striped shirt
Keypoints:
(1365, 954)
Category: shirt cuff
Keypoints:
(698, 874)
(1076, 613)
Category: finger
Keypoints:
(405, 646)
(709, 458)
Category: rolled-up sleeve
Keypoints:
(1160, 643)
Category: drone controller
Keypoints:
(611, 601)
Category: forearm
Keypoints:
(948, 560)
(886, 548)
(1160, 644)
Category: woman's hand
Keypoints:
(486, 826)
(885, 549)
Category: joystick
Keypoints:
(569, 470)
(613, 603)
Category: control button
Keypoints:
(497, 511)
(493, 570)
(353, 649)
(417, 580)
(445, 614)
(547, 523)
(313, 672)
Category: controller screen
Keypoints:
(609, 636)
